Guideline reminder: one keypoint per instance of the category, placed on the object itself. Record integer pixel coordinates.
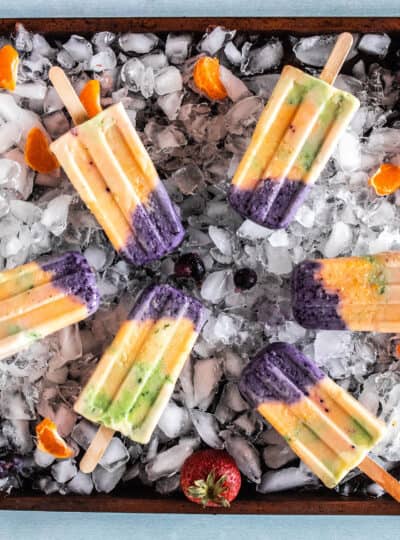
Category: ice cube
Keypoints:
(65, 418)
(170, 461)
(103, 60)
(233, 364)
(170, 104)
(177, 47)
(41, 46)
(174, 420)
(26, 212)
(168, 80)
(81, 484)
(83, 433)
(221, 239)
(138, 43)
(252, 231)
(285, 479)
(314, 50)
(263, 58)
(10, 134)
(12, 113)
(242, 114)
(18, 434)
(105, 481)
(96, 257)
(55, 216)
(65, 60)
(43, 459)
(132, 74)
(232, 398)
(207, 427)
(206, 376)
(246, 456)
(19, 178)
(23, 39)
(348, 152)
(63, 471)
(102, 40)
(214, 41)
(332, 350)
(384, 139)
(339, 240)
(279, 260)
(279, 238)
(31, 90)
(186, 382)
(168, 485)
(115, 456)
(48, 485)
(189, 178)
(276, 457)
(233, 54)
(375, 44)
(79, 48)
(217, 285)
(305, 216)
(291, 332)
(235, 88)
(4, 207)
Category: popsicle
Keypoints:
(41, 297)
(323, 424)
(292, 142)
(109, 167)
(135, 378)
(353, 293)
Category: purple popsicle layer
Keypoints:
(280, 372)
(307, 290)
(272, 204)
(73, 275)
(157, 229)
(159, 301)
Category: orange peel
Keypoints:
(90, 97)
(37, 152)
(49, 441)
(9, 60)
(206, 78)
(386, 180)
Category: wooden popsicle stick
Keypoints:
(96, 449)
(68, 95)
(379, 475)
(337, 57)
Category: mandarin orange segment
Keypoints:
(9, 60)
(37, 153)
(386, 180)
(206, 78)
(49, 441)
(90, 97)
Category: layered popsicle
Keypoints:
(109, 167)
(39, 298)
(354, 293)
(136, 376)
(325, 426)
(293, 140)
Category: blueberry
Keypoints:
(245, 278)
(190, 265)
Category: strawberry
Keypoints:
(211, 478)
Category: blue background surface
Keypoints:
(60, 526)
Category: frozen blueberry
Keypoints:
(245, 278)
(190, 265)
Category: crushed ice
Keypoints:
(196, 146)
